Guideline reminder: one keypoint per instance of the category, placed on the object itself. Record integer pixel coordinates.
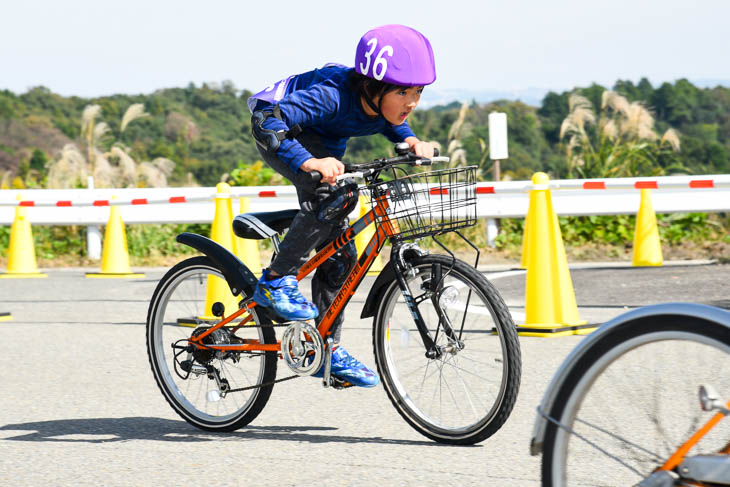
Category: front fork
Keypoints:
(402, 270)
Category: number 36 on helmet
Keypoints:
(396, 54)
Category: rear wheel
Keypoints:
(464, 395)
(194, 383)
(632, 401)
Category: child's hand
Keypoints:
(329, 168)
(421, 148)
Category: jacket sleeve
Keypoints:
(398, 133)
(303, 108)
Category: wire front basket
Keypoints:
(428, 203)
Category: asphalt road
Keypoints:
(79, 405)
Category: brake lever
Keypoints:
(355, 174)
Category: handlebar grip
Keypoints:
(309, 176)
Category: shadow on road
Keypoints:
(105, 430)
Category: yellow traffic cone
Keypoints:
(221, 231)
(6, 317)
(21, 253)
(363, 238)
(114, 253)
(523, 260)
(248, 249)
(550, 306)
(647, 248)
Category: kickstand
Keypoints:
(327, 362)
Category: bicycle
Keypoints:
(443, 339)
(623, 407)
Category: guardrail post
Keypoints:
(93, 234)
(492, 232)
(115, 256)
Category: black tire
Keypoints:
(176, 310)
(487, 370)
(631, 401)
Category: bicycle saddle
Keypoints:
(264, 224)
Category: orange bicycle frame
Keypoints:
(682, 451)
(383, 231)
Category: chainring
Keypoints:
(302, 348)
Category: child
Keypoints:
(302, 124)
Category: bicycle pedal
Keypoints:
(337, 383)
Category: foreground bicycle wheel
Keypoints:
(632, 401)
(465, 395)
(177, 310)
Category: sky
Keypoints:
(92, 48)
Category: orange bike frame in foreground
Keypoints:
(682, 451)
(383, 231)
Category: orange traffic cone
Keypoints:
(248, 249)
(21, 253)
(647, 247)
(363, 238)
(114, 254)
(221, 231)
(550, 306)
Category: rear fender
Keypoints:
(237, 275)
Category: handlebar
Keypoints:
(366, 169)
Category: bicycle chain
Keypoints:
(335, 385)
(270, 383)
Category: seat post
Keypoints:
(275, 242)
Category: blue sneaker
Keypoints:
(283, 295)
(350, 369)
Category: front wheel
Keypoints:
(467, 392)
(631, 401)
(194, 382)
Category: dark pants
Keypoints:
(307, 233)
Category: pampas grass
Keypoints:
(134, 112)
(100, 131)
(671, 137)
(625, 138)
(68, 170)
(87, 118)
(580, 115)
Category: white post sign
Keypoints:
(497, 151)
(498, 136)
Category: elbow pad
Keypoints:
(267, 139)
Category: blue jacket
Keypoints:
(321, 101)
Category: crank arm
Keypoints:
(327, 362)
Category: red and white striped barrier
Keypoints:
(495, 200)
(660, 183)
(236, 192)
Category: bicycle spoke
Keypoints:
(460, 393)
(195, 396)
(634, 402)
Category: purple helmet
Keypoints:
(396, 54)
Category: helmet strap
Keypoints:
(370, 102)
(363, 93)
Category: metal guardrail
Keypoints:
(672, 194)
